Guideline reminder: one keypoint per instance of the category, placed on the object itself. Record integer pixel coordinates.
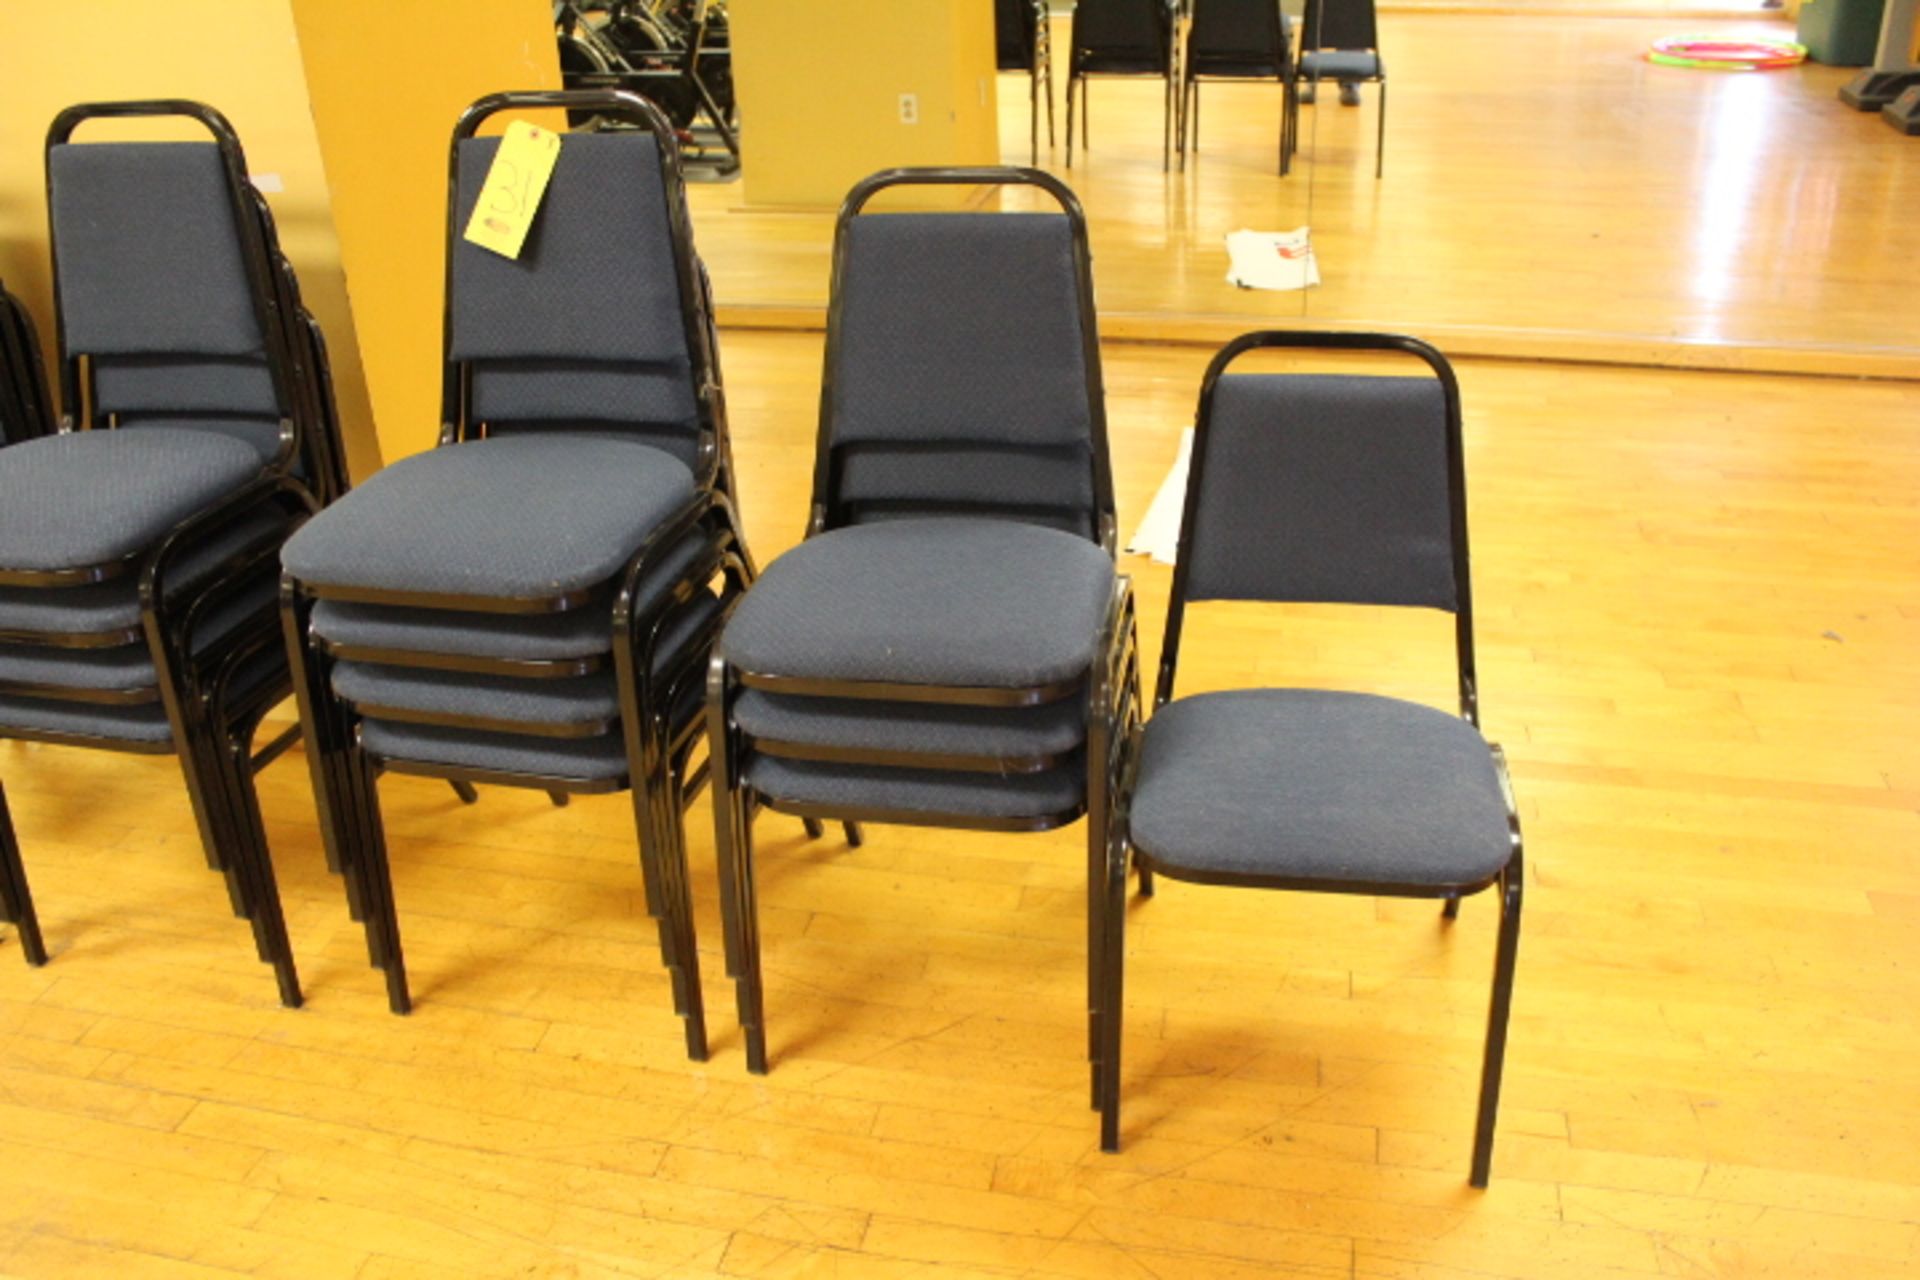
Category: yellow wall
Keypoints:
(820, 85)
(239, 55)
(388, 78)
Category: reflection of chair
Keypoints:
(1123, 38)
(950, 645)
(138, 547)
(531, 603)
(25, 411)
(1022, 42)
(1322, 489)
(1340, 41)
(1237, 40)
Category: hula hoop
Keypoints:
(1713, 53)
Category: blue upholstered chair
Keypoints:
(1329, 489)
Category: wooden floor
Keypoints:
(1700, 639)
(1548, 193)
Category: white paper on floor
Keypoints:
(1159, 533)
(1272, 259)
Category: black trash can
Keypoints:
(1841, 33)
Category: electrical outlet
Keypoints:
(909, 108)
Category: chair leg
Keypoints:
(733, 848)
(269, 918)
(15, 899)
(856, 836)
(1048, 90)
(1507, 951)
(1033, 115)
(1451, 911)
(1112, 989)
(1071, 82)
(1146, 880)
(560, 799)
(658, 803)
(1380, 143)
(464, 790)
(376, 889)
(814, 829)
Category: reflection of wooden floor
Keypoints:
(1547, 193)
(1700, 643)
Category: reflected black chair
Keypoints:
(26, 412)
(1339, 40)
(1327, 489)
(1023, 41)
(139, 545)
(1237, 40)
(950, 645)
(1124, 38)
(532, 602)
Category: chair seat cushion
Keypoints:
(1051, 729)
(960, 602)
(513, 518)
(1342, 64)
(597, 759)
(128, 668)
(853, 789)
(114, 605)
(1304, 784)
(144, 722)
(525, 637)
(592, 699)
(97, 497)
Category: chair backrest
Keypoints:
(162, 281)
(1340, 24)
(1326, 488)
(962, 365)
(1137, 31)
(599, 324)
(1015, 28)
(1237, 31)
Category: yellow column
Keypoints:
(831, 93)
(387, 79)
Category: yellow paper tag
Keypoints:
(515, 183)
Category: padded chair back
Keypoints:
(587, 328)
(153, 286)
(1340, 24)
(1342, 489)
(1237, 37)
(1122, 35)
(962, 371)
(1015, 28)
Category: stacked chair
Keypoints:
(950, 645)
(139, 546)
(25, 411)
(1340, 489)
(532, 602)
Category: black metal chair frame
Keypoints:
(1173, 130)
(193, 688)
(661, 774)
(1310, 28)
(1112, 685)
(1037, 43)
(25, 406)
(1509, 880)
(1191, 78)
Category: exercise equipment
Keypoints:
(674, 53)
(1711, 53)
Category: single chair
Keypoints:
(532, 602)
(1339, 41)
(1237, 40)
(1023, 41)
(139, 545)
(1327, 489)
(950, 645)
(1124, 38)
(26, 413)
